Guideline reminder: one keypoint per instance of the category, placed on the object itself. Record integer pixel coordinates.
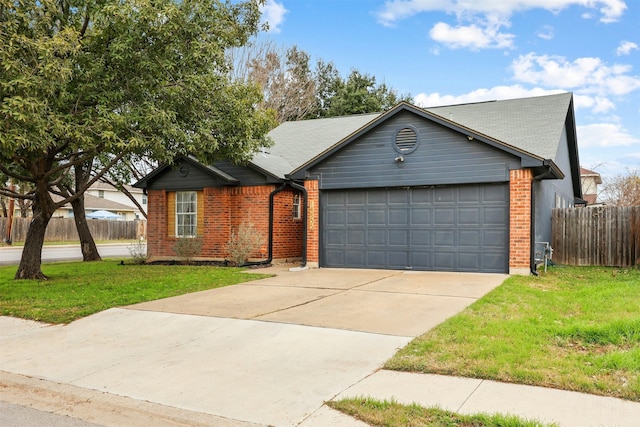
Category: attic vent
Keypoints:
(406, 140)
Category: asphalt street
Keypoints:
(11, 255)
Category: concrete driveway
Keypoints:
(268, 352)
(402, 303)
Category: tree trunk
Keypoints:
(87, 244)
(31, 261)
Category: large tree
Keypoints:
(621, 190)
(82, 78)
(285, 77)
(295, 91)
(358, 94)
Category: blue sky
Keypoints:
(456, 51)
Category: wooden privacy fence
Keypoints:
(64, 229)
(607, 236)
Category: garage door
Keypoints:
(452, 228)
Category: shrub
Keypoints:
(243, 242)
(187, 248)
(138, 251)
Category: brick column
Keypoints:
(313, 223)
(156, 223)
(520, 182)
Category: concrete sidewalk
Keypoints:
(471, 396)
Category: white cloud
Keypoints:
(596, 104)
(396, 10)
(604, 135)
(471, 36)
(273, 14)
(626, 47)
(546, 33)
(588, 75)
(479, 95)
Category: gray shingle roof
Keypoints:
(533, 125)
(295, 143)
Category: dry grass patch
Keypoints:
(391, 414)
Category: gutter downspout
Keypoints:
(270, 244)
(532, 232)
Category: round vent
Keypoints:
(406, 140)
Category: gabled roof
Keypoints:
(98, 185)
(295, 143)
(211, 170)
(97, 203)
(591, 174)
(529, 127)
(533, 125)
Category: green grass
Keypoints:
(78, 289)
(573, 328)
(390, 414)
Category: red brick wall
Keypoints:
(520, 219)
(313, 222)
(287, 232)
(225, 208)
(156, 222)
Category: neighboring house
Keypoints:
(94, 204)
(457, 188)
(101, 196)
(108, 192)
(589, 181)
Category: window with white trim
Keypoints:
(297, 214)
(186, 213)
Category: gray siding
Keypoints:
(548, 191)
(244, 174)
(195, 179)
(443, 156)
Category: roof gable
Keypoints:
(528, 127)
(296, 143)
(178, 164)
(528, 159)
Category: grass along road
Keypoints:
(573, 328)
(387, 414)
(79, 289)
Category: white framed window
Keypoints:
(297, 213)
(101, 194)
(186, 213)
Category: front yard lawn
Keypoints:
(78, 289)
(573, 328)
